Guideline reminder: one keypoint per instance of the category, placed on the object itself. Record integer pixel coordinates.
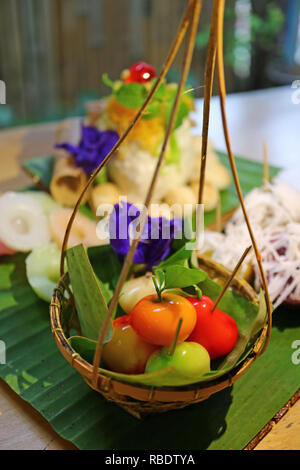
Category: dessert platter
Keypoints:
(152, 322)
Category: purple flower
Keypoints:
(157, 235)
(94, 146)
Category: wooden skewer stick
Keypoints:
(209, 78)
(266, 164)
(174, 342)
(218, 215)
(229, 280)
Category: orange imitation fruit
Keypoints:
(156, 320)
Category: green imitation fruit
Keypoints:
(47, 202)
(42, 269)
(189, 360)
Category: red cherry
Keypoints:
(216, 331)
(140, 73)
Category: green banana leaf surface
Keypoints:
(37, 372)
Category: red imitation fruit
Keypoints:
(140, 73)
(126, 352)
(216, 331)
(5, 250)
(156, 320)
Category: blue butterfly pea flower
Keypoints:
(93, 147)
(157, 236)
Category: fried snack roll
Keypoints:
(68, 180)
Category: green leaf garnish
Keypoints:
(178, 257)
(106, 290)
(106, 264)
(85, 347)
(183, 112)
(157, 288)
(176, 276)
(183, 109)
(160, 93)
(107, 81)
(131, 95)
(173, 152)
(180, 276)
(153, 110)
(198, 291)
(102, 176)
(161, 276)
(89, 299)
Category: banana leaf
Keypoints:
(42, 168)
(228, 419)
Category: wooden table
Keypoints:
(254, 117)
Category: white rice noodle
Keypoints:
(274, 215)
(283, 268)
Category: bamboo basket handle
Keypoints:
(174, 49)
(208, 86)
(195, 15)
(222, 95)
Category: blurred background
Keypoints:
(53, 52)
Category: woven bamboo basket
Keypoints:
(140, 400)
(137, 399)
